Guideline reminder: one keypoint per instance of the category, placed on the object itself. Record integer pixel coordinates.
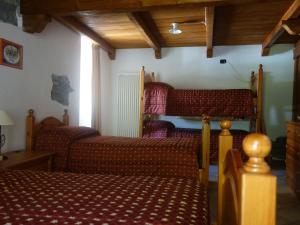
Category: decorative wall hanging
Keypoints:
(61, 89)
(9, 11)
(11, 54)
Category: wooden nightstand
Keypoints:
(28, 160)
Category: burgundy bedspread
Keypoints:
(157, 128)
(156, 98)
(238, 137)
(30, 197)
(163, 129)
(58, 140)
(236, 103)
(162, 99)
(80, 149)
(172, 157)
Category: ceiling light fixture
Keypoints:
(174, 26)
(174, 29)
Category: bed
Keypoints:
(83, 150)
(68, 198)
(237, 104)
(166, 129)
(32, 197)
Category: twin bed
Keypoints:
(82, 149)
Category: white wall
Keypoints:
(189, 68)
(55, 50)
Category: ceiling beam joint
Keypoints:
(145, 30)
(77, 26)
(35, 23)
(292, 26)
(292, 13)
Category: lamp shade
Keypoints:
(5, 119)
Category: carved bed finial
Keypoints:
(225, 126)
(206, 118)
(257, 147)
(66, 117)
(30, 112)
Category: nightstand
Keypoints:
(36, 160)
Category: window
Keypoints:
(85, 104)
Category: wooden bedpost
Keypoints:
(253, 88)
(258, 185)
(260, 123)
(66, 117)
(142, 83)
(30, 123)
(204, 172)
(225, 145)
(253, 83)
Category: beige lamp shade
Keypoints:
(5, 120)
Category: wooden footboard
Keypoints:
(246, 193)
(32, 127)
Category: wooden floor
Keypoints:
(288, 207)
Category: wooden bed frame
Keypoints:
(204, 171)
(246, 193)
(256, 85)
(32, 127)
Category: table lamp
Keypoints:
(5, 120)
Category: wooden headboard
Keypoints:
(33, 127)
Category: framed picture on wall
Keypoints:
(11, 54)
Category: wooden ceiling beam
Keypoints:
(67, 7)
(75, 25)
(35, 23)
(292, 13)
(145, 30)
(209, 22)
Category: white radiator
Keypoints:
(128, 106)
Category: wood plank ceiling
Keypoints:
(229, 24)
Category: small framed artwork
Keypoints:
(11, 54)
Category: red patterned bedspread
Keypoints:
(59, 139)
(162, 99)
(172, 157)
(163, 129)
(29, 197)
(238, 137)
(156, 98)
(80, 149)
(236, 103)
(157, 128)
